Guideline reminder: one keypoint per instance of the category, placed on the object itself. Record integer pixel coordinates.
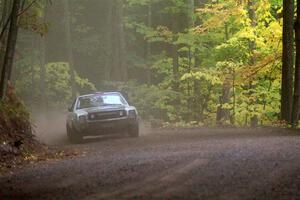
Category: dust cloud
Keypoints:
(50, 127)
(145, 128)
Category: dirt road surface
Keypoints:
(233, 164)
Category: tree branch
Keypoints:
(19, 14)
(27, 7)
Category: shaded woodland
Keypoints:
(180, 62)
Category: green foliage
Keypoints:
(213, 52)
(57, 82)
(196, 55)
(152, 102)
(57, 89)
(32, 19)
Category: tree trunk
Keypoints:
(197, 88)
(10, 49)
(5, 5)
(108, 40)
(287, 60)
(122, 60)
(191, 12)
(175, 57)
(57, 49)
(149, 76)
(5, 10)
(252, 47)
(175, 74)
(296, 102)
(190, 55)
(223, 114)
(43, 88)
(119, 68)
(68, 32)
(232, 118)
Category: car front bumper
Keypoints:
(104, 127)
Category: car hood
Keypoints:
(101, 109)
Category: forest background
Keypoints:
(180, 62)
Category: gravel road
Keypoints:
(233, 164)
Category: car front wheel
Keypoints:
(134, 130)
(74, 136)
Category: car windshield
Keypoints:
(99, 100)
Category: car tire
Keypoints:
(74, 136)
(134, 131)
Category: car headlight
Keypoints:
(82, 119)
(92, 116)
(132, 114)
(122, 113)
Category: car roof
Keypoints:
(95, 93)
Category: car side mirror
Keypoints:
(69, 109)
